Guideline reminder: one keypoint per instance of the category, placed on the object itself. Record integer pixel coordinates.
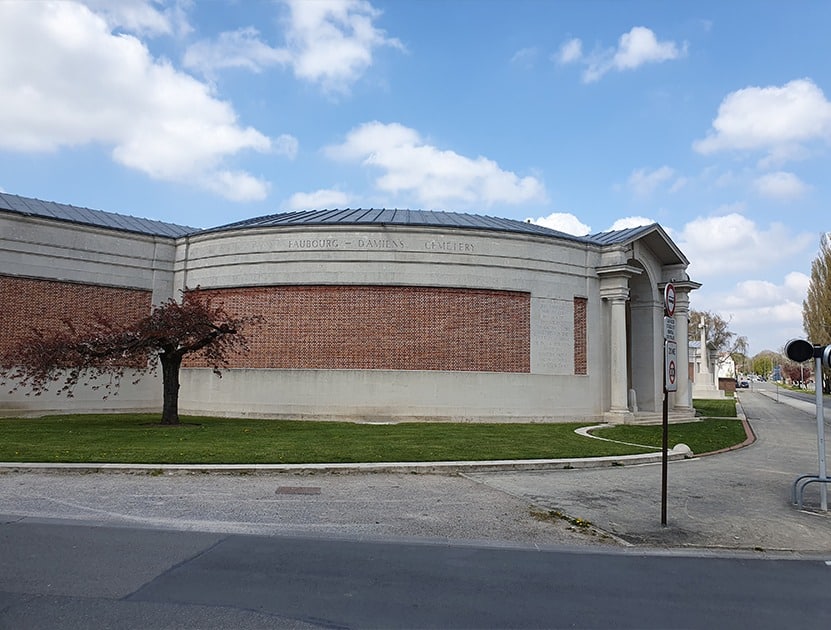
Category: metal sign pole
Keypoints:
(670, 382)
(821, 435)
(664, 449)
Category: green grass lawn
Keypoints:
(709, 435)
(719, 430)
(131, 438)
(718, 408)
(136, 438)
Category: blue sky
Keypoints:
(710, 118)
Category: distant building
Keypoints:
(725, 366)
(370, 314)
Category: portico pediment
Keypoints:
(651, 236)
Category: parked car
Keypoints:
(743, 384)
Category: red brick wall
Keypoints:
(580, 313)
(383, 327)
(44, 304)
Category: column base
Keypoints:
(619, 416)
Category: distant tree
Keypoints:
(107, 350)
(797, 372)
(764, 362)
(718, 333)
(741, 361)
(816, 309)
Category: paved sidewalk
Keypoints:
(735, 500)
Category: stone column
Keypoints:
(617, 369)
(683, 396)
(706, 380)
(614, 289)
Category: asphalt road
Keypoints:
(69, 575)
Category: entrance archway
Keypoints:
(644, 333)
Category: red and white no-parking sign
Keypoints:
(669, 299)
(671, 366)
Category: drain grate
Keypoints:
(298, 490)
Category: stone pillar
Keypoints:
(617, 369)
(681, 399)
(614, 289)
(705, 382)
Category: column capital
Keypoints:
(625, 271)
(682, 287)
(614, 281)
(615, 294)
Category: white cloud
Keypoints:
(730, 244)
(640, 46)
(630, 222)
(236, 186)
(286, 145)
(570, 52)
(525, 56)
(765, 312)
(143, 17)
(643, 182)
(234, 49)
(433, 176)
(763, 293)
(563, 222)
(68, 80)
(780, 185)
(678, 184)
(327, 43)
(778, 120)
(319, 199)
(637, 47)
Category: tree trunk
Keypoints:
(170, 382)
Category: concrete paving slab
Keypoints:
(739, 500)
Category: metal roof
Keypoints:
(619, 237)
(86, 216)
(653, 235)
(372, 216)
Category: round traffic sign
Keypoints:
(799, 350)
(669, 299)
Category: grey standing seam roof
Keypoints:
(75, 214)
(358, 216)
(425, 218)
(616, 237)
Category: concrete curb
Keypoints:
(351, 468)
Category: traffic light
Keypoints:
(800, 350)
